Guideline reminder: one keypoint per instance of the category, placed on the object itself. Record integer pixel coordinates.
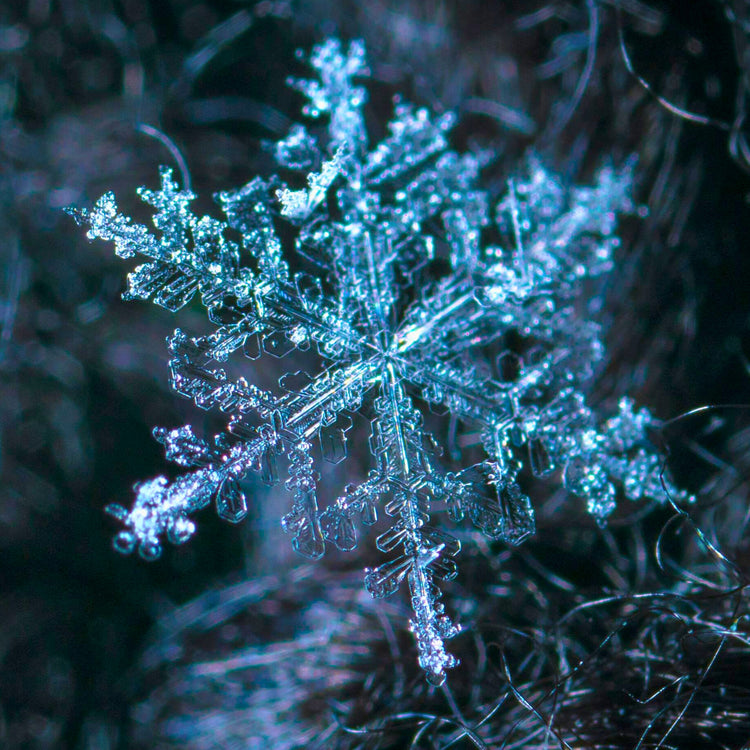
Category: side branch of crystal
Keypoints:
(404, 306)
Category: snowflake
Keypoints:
(408, 305)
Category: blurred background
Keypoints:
(633, 636)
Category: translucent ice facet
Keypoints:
(385, 579)
(231, 504)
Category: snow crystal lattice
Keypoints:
(497, 341)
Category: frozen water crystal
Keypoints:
(418, 311)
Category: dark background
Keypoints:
(98, 651)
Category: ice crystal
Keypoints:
(408, 306)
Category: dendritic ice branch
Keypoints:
(408, 305)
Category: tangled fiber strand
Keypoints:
(630, 669)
